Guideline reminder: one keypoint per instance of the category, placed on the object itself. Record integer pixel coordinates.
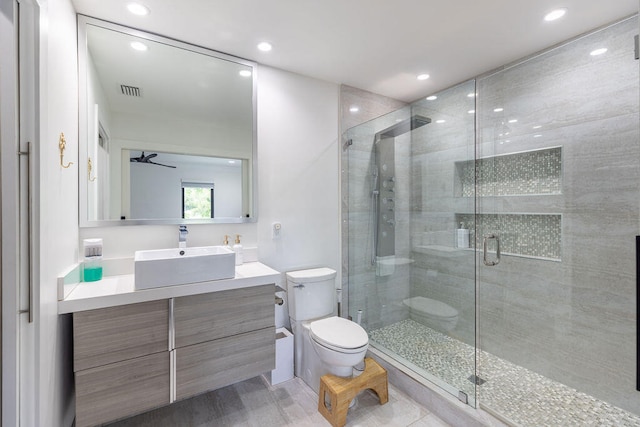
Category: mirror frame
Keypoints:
(84, 221)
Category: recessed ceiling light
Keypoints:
(423, 76)
(245, 73)
(598, 51)
(354, 109)
(471, 111)
(471, 95)
(513, 121)
(440, 121)
(139, 46)
(265, 47)
(432, 98)
(555, 14)
(498, 110)
(138, 9)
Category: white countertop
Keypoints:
(119, 290)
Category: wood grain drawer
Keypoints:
(122, 389)
(201, 318)
(113, 334)
(214, 364)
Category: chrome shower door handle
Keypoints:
(485, 243)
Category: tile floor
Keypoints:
(255, 402)
(522, 396)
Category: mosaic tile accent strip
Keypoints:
(529, 235)
(528, 173)
(523, 397)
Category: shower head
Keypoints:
(414, 122)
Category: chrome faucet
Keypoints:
(182, 237)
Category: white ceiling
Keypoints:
(376, 45)
(174, 83)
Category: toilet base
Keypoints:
(432, 313)
(308, 364)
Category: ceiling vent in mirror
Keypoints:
(130, 91)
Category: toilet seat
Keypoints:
(431, 308)
(339, 334)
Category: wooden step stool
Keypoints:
(342, 391)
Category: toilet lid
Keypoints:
(339, 332)
(431, 307)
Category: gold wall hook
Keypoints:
(62, 144)
(89, 167)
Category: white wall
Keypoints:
(298, 179)
(58, 208)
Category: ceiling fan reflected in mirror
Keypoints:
(147, 159)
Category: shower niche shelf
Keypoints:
(527, 173)
(536, 236)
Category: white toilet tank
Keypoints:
(311, 294)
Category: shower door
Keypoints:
(411, 283)
(558, 171)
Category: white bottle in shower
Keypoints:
(462, 236)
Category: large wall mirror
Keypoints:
(167, 130)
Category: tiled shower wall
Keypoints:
(365, 291)
(440, 271)
(572, 319)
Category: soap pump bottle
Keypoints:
(462, 236)
(226, 242)
(92, 265)
(237, 248)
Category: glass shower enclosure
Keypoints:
(491, 234)
(411, 254)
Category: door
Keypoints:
(18, 101)
(557, 190)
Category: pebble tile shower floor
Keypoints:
(523, 397)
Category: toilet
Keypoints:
(433, 313)
(323, 343)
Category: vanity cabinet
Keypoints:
(122, 389)
(132, 358)
(121, 361)
(222, 338)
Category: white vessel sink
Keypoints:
(179, 266)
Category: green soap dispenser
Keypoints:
(92, 265)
